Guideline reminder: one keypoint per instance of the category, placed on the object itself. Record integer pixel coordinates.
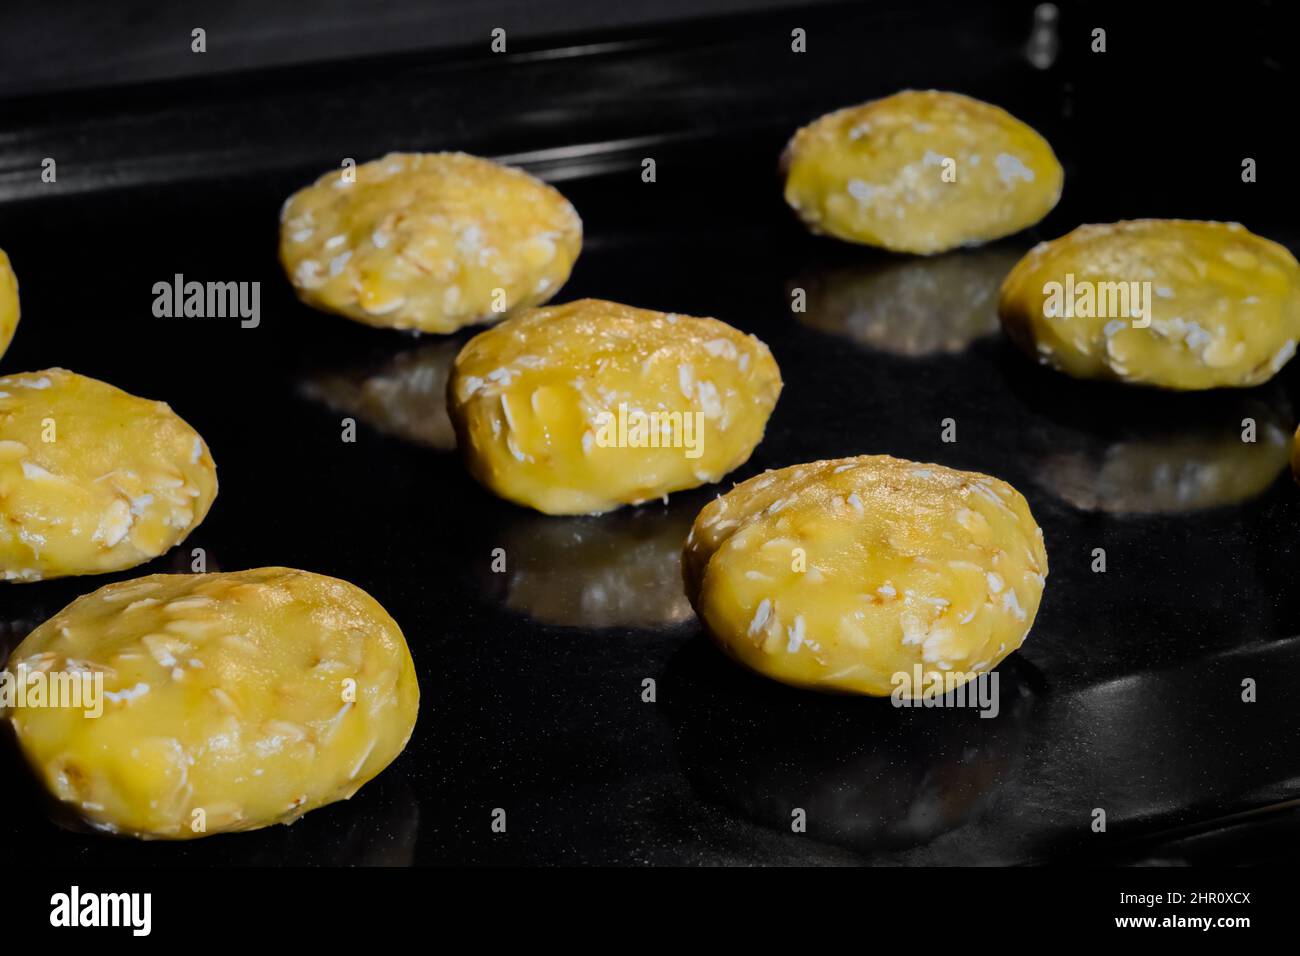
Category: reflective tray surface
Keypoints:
(1125, 696)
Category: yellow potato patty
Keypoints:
(229, 701)
(428, 241)
(93, 479)
(583, 407)
(920, 171)
(9, 310)
(1170, 303)
(842, 575)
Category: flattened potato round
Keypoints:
(9, 310)
(838, 575)
(428, 241)
(583, 407)
(252, 696)
(93, 479)
(920, 171)
(1224, 304)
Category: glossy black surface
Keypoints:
(1126, 695)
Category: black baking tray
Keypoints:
(1127, 695)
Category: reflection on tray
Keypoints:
(405, 398)
(617, 570)
(1198, 463)
(14, 629)
(869, 776)
(378, 826)
(911, 307)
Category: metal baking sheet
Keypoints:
(1127, 693)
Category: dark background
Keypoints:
(1125, 695)
(78, 44)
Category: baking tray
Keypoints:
(1127, 693)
